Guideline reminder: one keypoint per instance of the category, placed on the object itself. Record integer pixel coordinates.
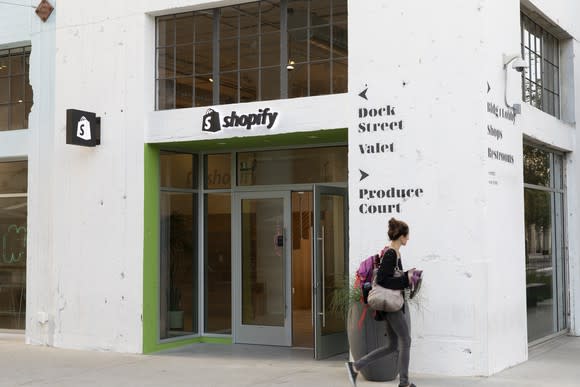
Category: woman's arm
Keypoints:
(386, 273)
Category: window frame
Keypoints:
(556, 188)
(284, 66)
(535, 76)
(19, 266)
(27, 96)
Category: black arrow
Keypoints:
(363, 94)
(488, 87)
(363, 175)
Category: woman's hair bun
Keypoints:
(397, 228)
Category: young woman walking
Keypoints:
(398, 330)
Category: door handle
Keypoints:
(323, 271)
(284, 275)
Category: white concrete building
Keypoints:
(251, 154)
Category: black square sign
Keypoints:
(82, 128)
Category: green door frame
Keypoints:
(150, 316)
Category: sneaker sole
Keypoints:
(350, 377)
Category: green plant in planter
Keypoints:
(344, 296)
(180, 245)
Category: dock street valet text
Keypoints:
(378, 120)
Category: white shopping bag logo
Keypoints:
(84, 128)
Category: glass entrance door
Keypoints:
(546, 285)
(262, 283)
(330, 269)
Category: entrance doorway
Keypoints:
(262, 264)
(546, 264)
(290, 262)
(248, 229)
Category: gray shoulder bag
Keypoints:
(384, 299)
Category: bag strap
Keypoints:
(362, 316)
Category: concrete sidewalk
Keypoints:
(556, 363)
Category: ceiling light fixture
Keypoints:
(290, 65)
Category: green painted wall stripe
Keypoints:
(150, 249)
(150, 263)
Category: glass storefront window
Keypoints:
(13, 232)
(180, 310)
(217, 171)
(293, 166)
(218, 263)
(178, 170)
(178, 267)
(14, 177)
(178, 264)
(536, 166)
(15, 89)
(545, 244)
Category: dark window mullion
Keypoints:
(216, 55)
(239, 60)
(283, 48)
(259, 91)
(193, 59)
(193, 68)
(9, 89)
(174, 62)
(308, 48)
(543, 68)
(331, 46)
(23, 85)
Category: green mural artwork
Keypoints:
(14, 244)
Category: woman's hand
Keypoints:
(410, 273)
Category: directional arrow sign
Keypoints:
(363, 175)
(363, 94)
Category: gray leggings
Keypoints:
(398, 331)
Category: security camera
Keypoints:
(519, 65)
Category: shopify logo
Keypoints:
(263, 118)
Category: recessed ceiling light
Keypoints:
(211, 80)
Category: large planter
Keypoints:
(371, 335)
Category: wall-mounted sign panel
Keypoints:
(82, 128)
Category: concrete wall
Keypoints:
(98, 244)
(429, 75)
(503, 223)
(20, 26)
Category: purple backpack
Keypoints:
(366, 269)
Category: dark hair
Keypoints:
(397, 228)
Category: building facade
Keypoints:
(251, 153)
